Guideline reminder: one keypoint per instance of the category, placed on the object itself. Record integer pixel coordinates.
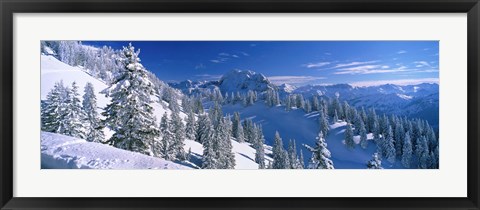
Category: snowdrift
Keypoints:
(64, 152)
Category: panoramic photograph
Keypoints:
(239, 104)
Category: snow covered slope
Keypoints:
(64, 152)
(53, 70)
(302, 127)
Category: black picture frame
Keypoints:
(10, 7)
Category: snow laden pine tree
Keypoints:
(363, 135)
(280, 156)
(223, 145)
(72, 116)
(237, 128)
(165, 148)
(205, 135)
(349, 137)
(190, 126)
(389, 147)
(130, 114)
(178, 130)
(94, 130)
(323, 123)
(50, 111)
(320, 154)
(259, 149)
(375, 162)
(292, 155)
(407, 151)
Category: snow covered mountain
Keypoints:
(233, 81)
(243, 81)
(413, 101)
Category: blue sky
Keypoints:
(294, 62)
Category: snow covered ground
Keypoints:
(64, 152)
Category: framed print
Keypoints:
(239, 105)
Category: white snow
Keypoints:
(403, 96)
(244, 154)
(64, 152)
(53, 71)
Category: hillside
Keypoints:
(53, 70)
(304, 130)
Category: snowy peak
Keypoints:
(287, 88)
(242, 81)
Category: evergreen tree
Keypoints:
(73, 117)
(259, 149)
(300, 101)
(308, 106)
(407, 151)
(315, 104)
(130, 114)
(292, 155)
(347, 114)
(320, 155)
(288, 103)
(363, 135)
(389, 146)
(323, 123)
(165, 147)
(302, 161)
(89, 103)
(280, 158)
(205, 134)
(178, 130)
(190, 126)
(223, 146)
(423, 153)
(237, 128)
(399, 135)
(51, 112)
(349, 137)
(372, 119)
(204, 129)
(335, 117)
(209, 160)
(375, 162)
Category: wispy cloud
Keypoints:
(327, 53)
(293, 80)
(224, 57)
(420, 64)
(401, 52)
(200, 66)
(369, 69)
(356, 63)
(316, 65)
(395, 82)
(208, 76)
(244, 54)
